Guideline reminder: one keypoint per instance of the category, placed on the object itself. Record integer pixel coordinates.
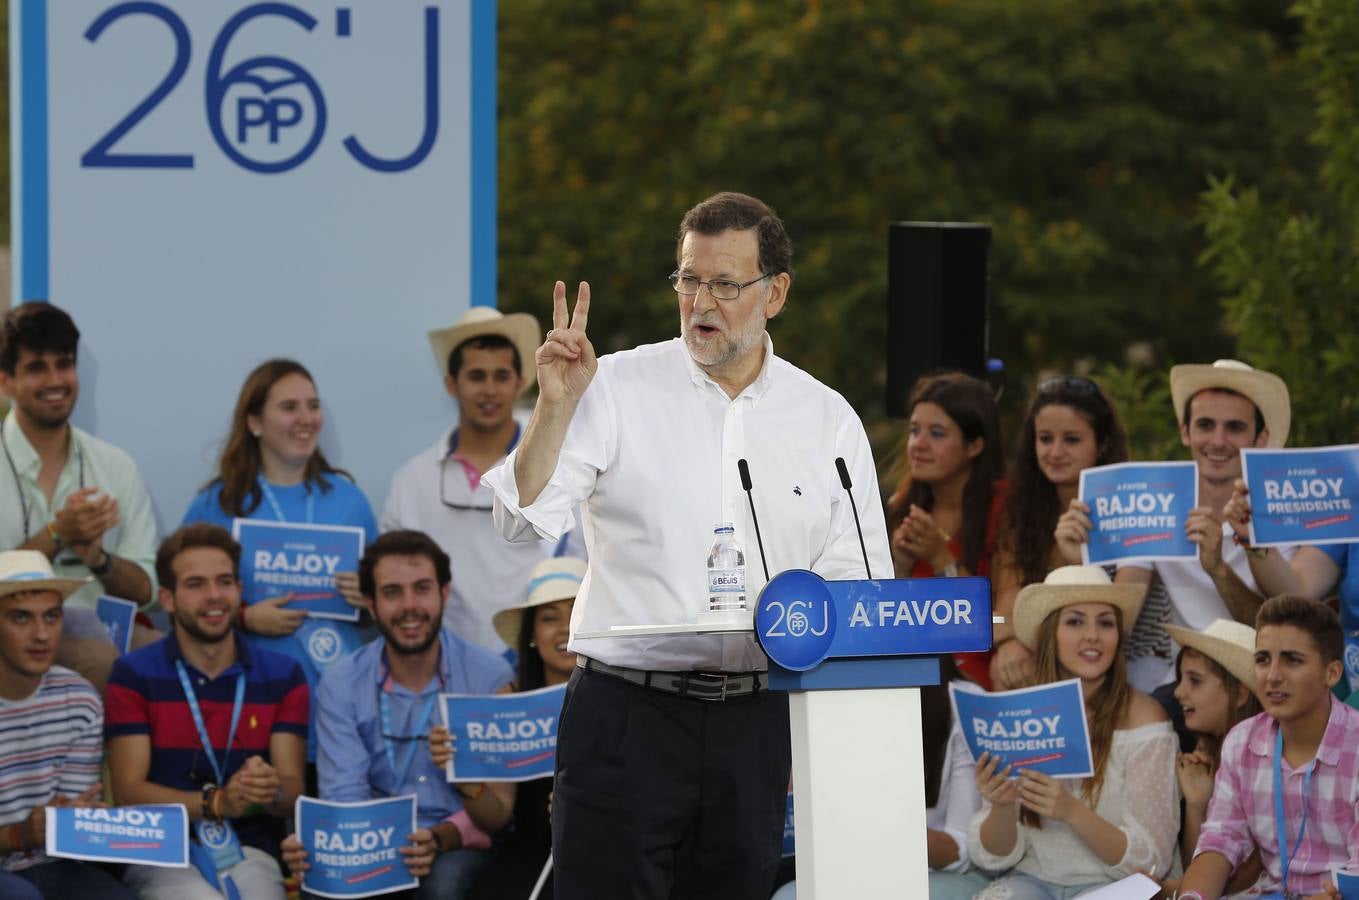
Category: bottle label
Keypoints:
(727, 581)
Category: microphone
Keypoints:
(845, 483)
(745, 485)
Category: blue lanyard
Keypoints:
(1280, 823)
(278, 510)
(197, 714)
(420, 726)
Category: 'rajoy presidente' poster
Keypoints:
(1138, 511)
(1302, 496)
(299, 560)
(1041, 728)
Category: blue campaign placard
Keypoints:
(1138, 511)
(354, 849)
(299, 560)
(117, 616)
(152, 835)
(503, 737)
(1041, 728)
(1347, 882)
(1302, 496)
(802, 619)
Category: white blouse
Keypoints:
(958, 798)
(1140, 797)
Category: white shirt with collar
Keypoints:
(90, 462)
(430, 493)
(651, 453)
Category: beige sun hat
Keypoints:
(29, 570)
(1067, 586)
(521, 329)
(551, 580)
(1228, 643)
(1265, 389)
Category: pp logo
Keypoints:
(795, 620)
(323, 645)
(214, 834)
(1352, 662)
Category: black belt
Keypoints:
(693, 685)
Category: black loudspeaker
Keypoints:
(938, 303)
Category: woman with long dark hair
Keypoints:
(944, 514)
(1071, 425)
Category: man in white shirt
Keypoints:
(76, 499)
(440, 491)
(672, 756)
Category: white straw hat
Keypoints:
(29, 570)
(521, 329)
(1228, 643)
(1067, 586)
(552, 579)
(1265, 389)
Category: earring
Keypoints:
(531, 644)
(255, 433)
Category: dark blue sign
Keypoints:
(1138, 511)
(1348, 883)
(354, 849)
(1303, 496)
(1041, 728)
(117, 617)
(301, 561)
(801, 619)
(152, 835)
(503, 737)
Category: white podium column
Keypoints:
(859, 794)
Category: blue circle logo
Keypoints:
(795, 620)
(323, 645)
(214, 835)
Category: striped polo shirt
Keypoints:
(50, 745)
(144, 696)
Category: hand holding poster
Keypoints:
(153, 835)
(504, 737)
(1138, 511)
(1041, 728)
(1303, 496)
(354, 849)
(299, 560)
(117, 617)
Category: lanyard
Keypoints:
(197, 714)
(1280, 824)
(19, 486)
(419, 729)
(278, 510)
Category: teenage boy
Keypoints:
(50, 742)
(76, 499)
(1288, 782)
(206, 719)
(375, 709)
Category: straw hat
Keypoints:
(1067, 586)
(521, 329)
(1229, 644)
(29, 570)
(1265, 389)
(552, 579)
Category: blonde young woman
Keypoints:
(1056, 838)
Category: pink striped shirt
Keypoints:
(1241, 812)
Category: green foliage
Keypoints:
(1292, 278)
(1143, 400)
(1084, 132)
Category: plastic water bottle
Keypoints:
(726, 571)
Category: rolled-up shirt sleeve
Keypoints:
(1151, 817)
(842, 556)
(1226, 829)
(982, 858)
(963, 797)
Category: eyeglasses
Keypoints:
(719, 288)
(443, 491)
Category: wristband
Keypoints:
(470, 798)
(206, 801)
(240, 617)
(102, 569)
(52, 533)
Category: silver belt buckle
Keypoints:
(720, 677)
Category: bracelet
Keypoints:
(16, 838)
(52, 533)
(218, 799)
(240, 617)
(206, 800)
(102, 569)
(470, 798)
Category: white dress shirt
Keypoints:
(651, 452)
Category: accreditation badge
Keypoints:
(323, 642)
(220, 840)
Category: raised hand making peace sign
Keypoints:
(566, 360)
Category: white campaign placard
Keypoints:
(208, 185)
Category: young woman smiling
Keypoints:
(1051, 842)
(1071, 426)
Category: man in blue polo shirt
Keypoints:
(375, 709)
(205, 719)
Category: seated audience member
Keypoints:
(50, 741)
(1215, 688)
(205, 719)
(75, 499)
(1071, 426)
(538, 631)
(376, 706)
(1302, 750)
(1050, 842)
(1221, 408)
(1313, 572)
(945, 511)
(272, 469)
